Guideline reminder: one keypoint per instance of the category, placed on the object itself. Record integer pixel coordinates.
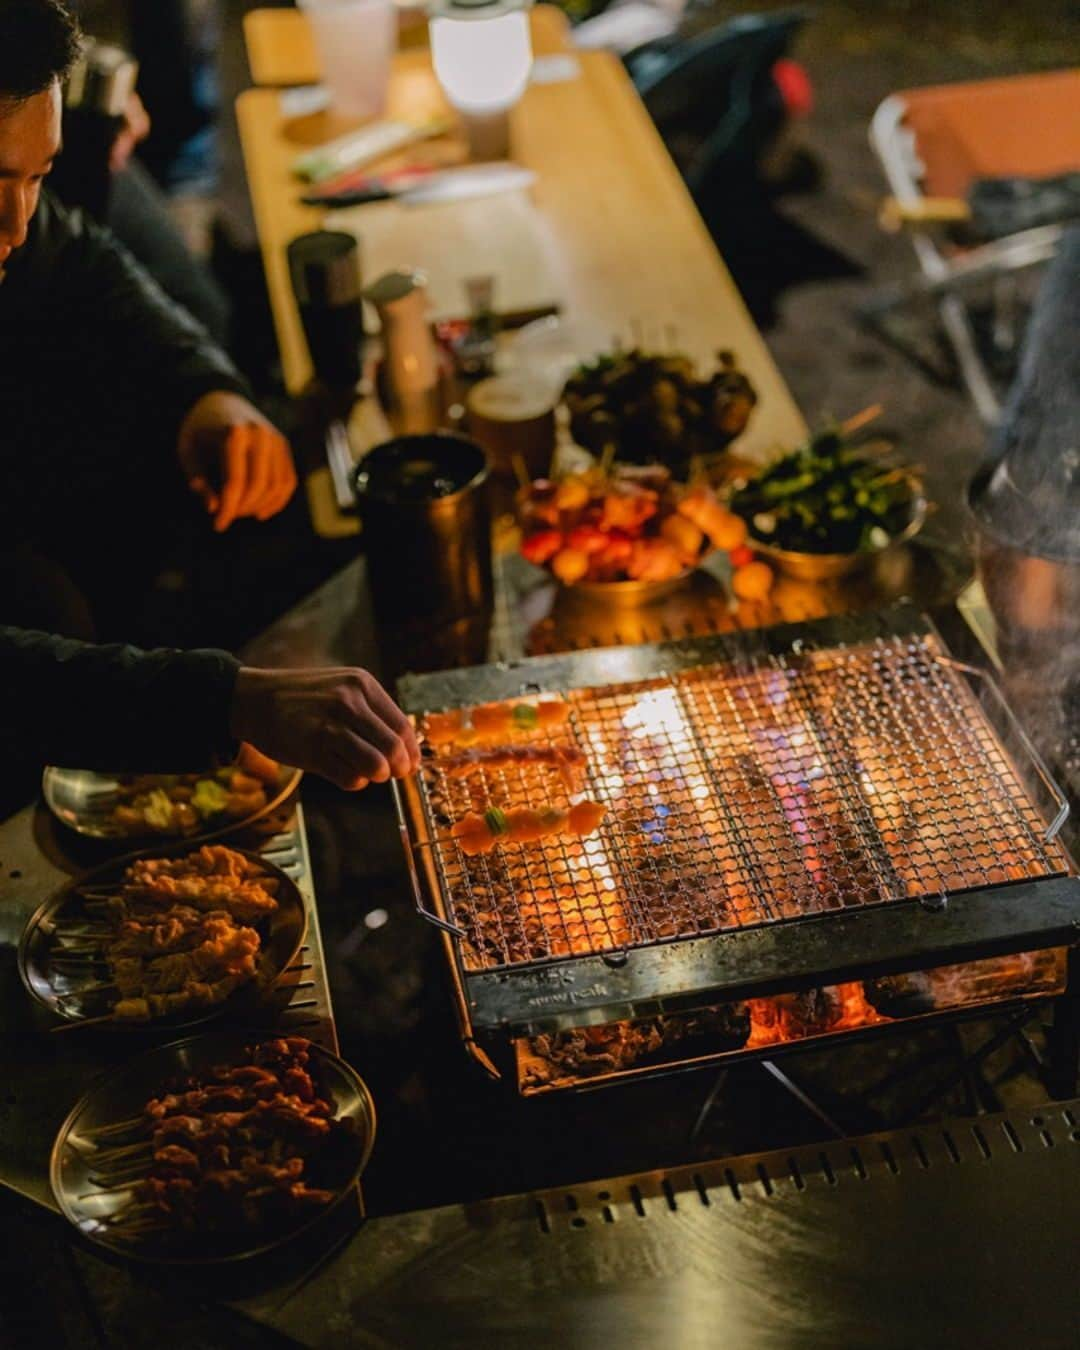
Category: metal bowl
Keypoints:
(58, 982)
(627, 594)
(631, 594)
(83, 801)
(832, 566)
(122, 1095)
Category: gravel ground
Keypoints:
(856, 55)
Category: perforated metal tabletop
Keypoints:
(959, 1236)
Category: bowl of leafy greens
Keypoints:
(828, 508)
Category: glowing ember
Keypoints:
(722, 1030)
(793, 1017)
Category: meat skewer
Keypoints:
(490, 723)
(523, 825)
(231, 1150)
(176, 939)
(568, 760)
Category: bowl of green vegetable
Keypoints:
(829, 508)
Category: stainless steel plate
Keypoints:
(83, 801)
(122, 1095)
(56, 975)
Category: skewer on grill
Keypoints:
(121, 1151)
(131, 1213)
(99, 1191)
(129, 1175)
(86, 989)
(138, 1229)
(118, 1169)
(117, 1127)
(83, 1023)
(121, 1169)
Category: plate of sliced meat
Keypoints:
(215, 1148)
(169, 938)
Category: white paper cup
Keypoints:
(356, 41)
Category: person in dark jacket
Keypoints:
(117, 412)
(117, 708)
(111, 401)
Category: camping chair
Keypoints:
(934, 144)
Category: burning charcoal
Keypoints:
(901, 995)
(563, 1058)
(790, 1017)
(726, 1026)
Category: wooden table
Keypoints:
(624, 244)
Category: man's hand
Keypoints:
(135, 128)
(235, 460)
(340, 724)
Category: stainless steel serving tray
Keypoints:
(122, 1095)
(83, 800)
(54, 982)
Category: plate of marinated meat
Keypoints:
(193, 806)
(169, 938)
(216, 1148)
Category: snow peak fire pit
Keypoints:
(808, 831)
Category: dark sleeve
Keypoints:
(114, 707)
(104, 291)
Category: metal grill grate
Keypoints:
(740, 794)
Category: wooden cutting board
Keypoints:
(504, 236)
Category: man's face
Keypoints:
(29, 142)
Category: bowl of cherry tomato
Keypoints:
(630, 535)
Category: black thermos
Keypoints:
(99, 87)
(325, 271)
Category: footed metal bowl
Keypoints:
(832, 566)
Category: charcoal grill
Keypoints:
(799, 822)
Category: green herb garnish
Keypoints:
(496, 821)
(827, 497)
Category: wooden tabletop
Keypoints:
(624, 249)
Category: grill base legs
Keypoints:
(1063, 1036)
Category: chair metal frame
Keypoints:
(946, 277)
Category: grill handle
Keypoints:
(1060, 801)
(418, 894)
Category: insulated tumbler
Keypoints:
(427, 529)
(325, 271)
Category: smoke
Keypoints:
(1030, 497)
(1026, 501)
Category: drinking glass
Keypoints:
(355, 41)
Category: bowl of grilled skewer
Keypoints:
(164, 940)
(218, 1148)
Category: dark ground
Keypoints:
(856, 55)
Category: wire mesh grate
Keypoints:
(738, 794)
